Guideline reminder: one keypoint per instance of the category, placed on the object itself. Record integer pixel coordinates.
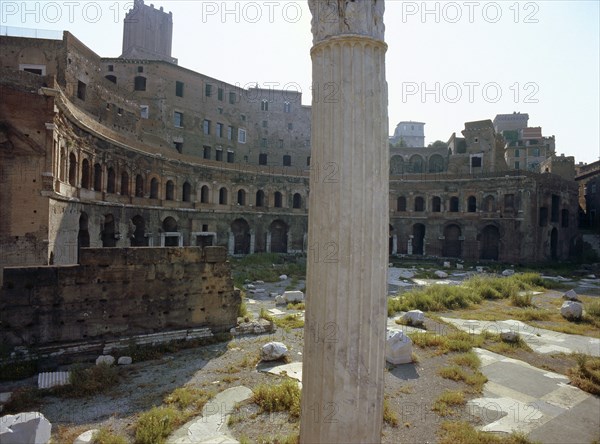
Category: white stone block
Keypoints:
(460, 266)
(25, 428)
(571, 310)
(447, 265)
(283, 277)
(479, 269)
(273, 351)
(441, 274)
(293, 296)
(398, 348)
(125, 360)
(280, 300)
(508, 272)
(105, 359)
(250, 286)
(414, 317)
(86, 437)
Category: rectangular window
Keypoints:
(220, 94)
(81, 87)
(262, 159)
(535, 152)
(230, 156)
(206, 153)
(555, 208)
(178, 119)
(264, 105)
(242, 135)
(287, 160)
(119, 111)
(220, 110)
(287, 107)
(290, 126)
(111, 68)
(232, 98)
(263, 143)
(308, 161)
(219, 155)
(280, 143)
(265, 123)
(517, 153)
(476, 162)
(206, 126)
(219, 129)
(179, 89)
(509, 201)
(208, 90)
(140, 69)
(144, 111)
(229, 133)
(517, 165)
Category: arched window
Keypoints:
(124, 184)
(154, 188)
(170, 190)
(260, 198)
(110, 183)
(401, 204)
(436, 164)
(419, 204)
(454, 204)
(97, 177)
(72, 170)
(472, 204)
(85, 174)
(187, 192)
(297, 201)
(278, 200)
(436, 204)
(204, 194)
(396, 165)
(139, 186)
(416, 164)
(241, 197)
(223, 196)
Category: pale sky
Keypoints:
(447, 62)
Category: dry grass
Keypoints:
(464, 433)
(155, 425)
(447, 399)
(278, 398)
(586, 375)
(106, 436)
(390, 417)
(475, 379)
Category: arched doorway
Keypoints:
(241, 236)
(108, 232)
(490, 243)
(279, 231)
(83, 236)
(138, 238)
(169, 225)
(452, 243)
(418, 238)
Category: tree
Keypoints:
(438, 144)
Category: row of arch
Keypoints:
(417, 164)
(453, 204)
(92, 178)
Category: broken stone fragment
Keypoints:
(508, 272)
(414, 317)
(105, 359)
(293, 296)
(125, 360)
(571, 310)
(273, 351)
(86, 437)
(398, 348)
(441, 274)
(280, 300)
(29, 427)
(571, 295)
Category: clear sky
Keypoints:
(447, 62)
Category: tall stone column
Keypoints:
(348, 234)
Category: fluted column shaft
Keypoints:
(344, 344)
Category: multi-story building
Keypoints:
(588, 178)
(409, 135)
(108, 152)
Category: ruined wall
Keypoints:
(118, 291)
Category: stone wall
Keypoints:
(113, 292)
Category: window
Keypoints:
(206, 126)
(170, 190)
(260, 198)
(290, 126)
(278, 199)
(139, 186)
(454, 204)
(436, 204)
(85, 174)
(517, 165)
(264, 105)
(262, 159)
(517, 153)
(204, 192)
(139, 83)
(401, 204)
(565, 218)
(124, 184)
(219, 129)
(81, 87)
(263, 143)
(187, 192)
(223, 196)
(220, 110)
(219, 155)
(144, 111)
(179, 88)
(241, 197)
(97, 177)
(476, 162)
(472, 204)
(555, 208)
(220, 94)
(110, 182)
(229, 133)
(535, 152)
(232, 98)
(297, 201)
(280, 143)
(287, 160)
(208, 90)
(178, 119)
(242, 135)
(110, 68)
(140, 69)
(543, 216)
(243, 117)
(308, 161)
(111, 78)
(178, 146)
(509, 202)
(206, 152)
(265, 124)
(287, 107)
(419, 204)
(119, 111)
(230, 157)
(154, 188)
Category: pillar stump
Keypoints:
(348, 226)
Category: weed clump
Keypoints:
(105, 436)
(155, 425)
(279, 398)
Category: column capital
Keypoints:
(332, 18)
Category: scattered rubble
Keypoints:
(273, 351)
(398, 348)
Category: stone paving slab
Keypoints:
(293, 370)
(522, 398)
(539, 339)
(211, 427)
